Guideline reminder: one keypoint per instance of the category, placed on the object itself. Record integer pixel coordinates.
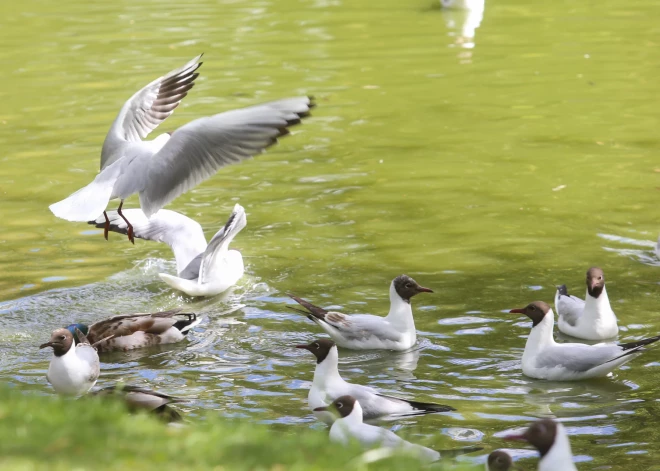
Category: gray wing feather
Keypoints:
(569, 308)
(578, 357)
(362, 326)
(219, 244)
(199, 149)
(147, 108)
(184, 235)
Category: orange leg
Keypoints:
(128, 224)
(107, 225)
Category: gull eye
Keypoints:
(409, 285)
(317, 346)
(339, 405)
(600, 277)
(61, 337)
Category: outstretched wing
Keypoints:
(184, 235)
(199, 149)
(147, 108)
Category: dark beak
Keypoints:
(321, 409)
(517, 311)
(520, 437)
(44, 345)
(306, 347)
(421, 289)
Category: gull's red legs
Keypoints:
(128, 224)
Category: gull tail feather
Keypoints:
(88, 202)
(317, 312)
(421, 407)
(562, 290)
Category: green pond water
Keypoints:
(489, 166)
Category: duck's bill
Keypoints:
(517, 311)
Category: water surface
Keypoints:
(488, 157)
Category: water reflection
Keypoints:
(463, 17)
(650, 256)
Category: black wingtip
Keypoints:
(562, 290)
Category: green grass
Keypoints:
(39, 433)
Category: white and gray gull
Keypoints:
(396, 331)
(202, 269)
(74, 369)
(551, 440)
(328, 385)
(544, 358)
(168, 166)
(591, 318)
(349, 426)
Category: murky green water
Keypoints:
(489, 173)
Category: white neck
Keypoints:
(540, 336)
(595, 306)
(328, 370)
(355, 417)
(400, 314)
(560, 456)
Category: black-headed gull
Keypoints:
(544, 358)
(349, 426)
(202, 270)
(168, 166)
(499, 461)
(141, 399)
(551, 440)
(74, 369)
(396, 331)
(328, 385)
(131, 331)
(591, 319)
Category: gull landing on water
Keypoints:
(202, 270)
(74, 369)
(591, 319)
(168, 166)
(396, 331)
(544, 358)
(131, 331)
(551, 440)
(328, 385)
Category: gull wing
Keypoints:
(147, 108)
(184, 235)
(199, 149)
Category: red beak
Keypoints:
(306, 347)
(421, 289)
(517, 311)
(320, 409)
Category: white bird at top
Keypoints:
(168, 166)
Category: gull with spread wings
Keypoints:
(168, 166)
